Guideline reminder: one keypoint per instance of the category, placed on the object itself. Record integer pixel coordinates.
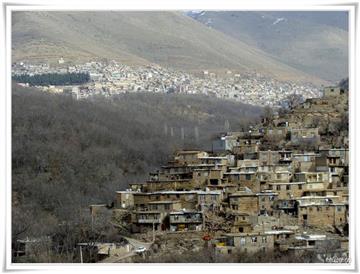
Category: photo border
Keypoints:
(351, 7)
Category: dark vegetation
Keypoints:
(68, 154)
(207, 255)
(59, 79)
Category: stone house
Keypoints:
(189, 156)
(186, 221)
(246, 243)
(124, 199)
(143, 221)
(321, 213)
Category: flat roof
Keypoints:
(166, 181)
(276, 232)
(164, 202)
(189, 151)
(184, 212)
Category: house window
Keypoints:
(264, 239)
(287, 187)
(300, 186)
(242, 241)
(253, 239)
(278, 187)
(247, 177)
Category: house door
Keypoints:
(305, 219)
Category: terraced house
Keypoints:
(263, 195)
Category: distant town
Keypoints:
(112, 78)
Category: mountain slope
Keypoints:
(68, 154)
(313, 42)
(166, 38)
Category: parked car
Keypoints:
(140, 249)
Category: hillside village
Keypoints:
(281, 186)
(112, 78)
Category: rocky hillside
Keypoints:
(166, 38)
(315, 42)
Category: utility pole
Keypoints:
(203, 216)
(196, 129)
(81, 255)
(153, 231)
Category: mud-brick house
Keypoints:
(333, 91)
(164, 206)
(245, 243)
(188, 199)
(186, 220)
(282, 174)
(244, 201)
(124, 199)
(32, 246)
(143, 221)
(243, 222)
(288, 190)
(98, 209)
(216, 161)
(269, 157)
(321, 211)
(189, 156)
(247, 151)
(224, 143)
(336, 157)
(138, 187)
(317, 243)
(276, 133)
(252, 203)
(171, 168)
(282, 238)
(265, 175)
(304, 162)
(179, 175)
(200, 175)
(305, 136)
(288, 206)
(169, 184)
(210, 200)
(313, 180)
(216, 177)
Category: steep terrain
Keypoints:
(166, 38)
(68, 154)
(313, 42)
